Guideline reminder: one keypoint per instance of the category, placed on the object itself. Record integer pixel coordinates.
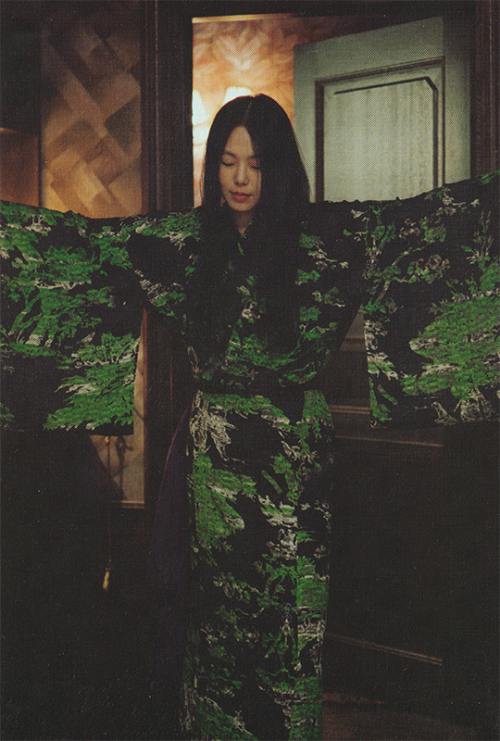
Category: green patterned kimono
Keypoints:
(260, 433)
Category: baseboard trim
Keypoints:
(402, 653)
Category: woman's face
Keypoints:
(239, 177)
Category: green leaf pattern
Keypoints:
(260, 439)
(447, 262)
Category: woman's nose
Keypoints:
(242, 174)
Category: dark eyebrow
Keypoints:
(230, 154)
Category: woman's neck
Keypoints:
(242, 221)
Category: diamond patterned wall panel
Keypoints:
(91, 143)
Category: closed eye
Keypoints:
(227, 161)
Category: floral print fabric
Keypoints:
(425, 269)
(260, 433)
(431, 306)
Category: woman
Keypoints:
(261, 446)
(260, 442)
(263, 287)
(269, 306)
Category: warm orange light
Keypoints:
(236, 92)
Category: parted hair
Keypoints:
(284, 186)
(276, 225)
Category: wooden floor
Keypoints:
(348, 722)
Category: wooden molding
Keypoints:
(215, 8)
(485, 85)
(167, 180)
(167, 89)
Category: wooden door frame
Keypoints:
(167, 185)
(485, 85)
(167, 145)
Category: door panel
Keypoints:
(382, 133)
(400, 97)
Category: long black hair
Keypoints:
(275, 228)
(284, 192)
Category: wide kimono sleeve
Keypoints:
(431, 309)
(73, 293)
